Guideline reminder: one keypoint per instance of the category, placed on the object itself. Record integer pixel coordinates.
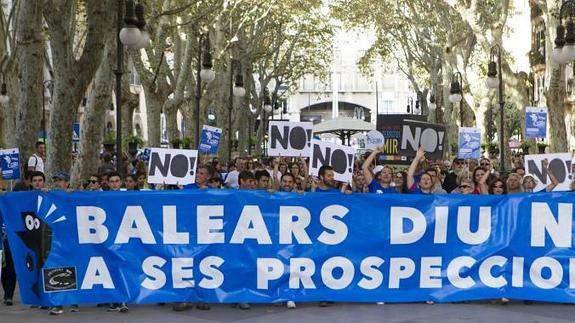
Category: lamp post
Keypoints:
(236, 89)
(432, 105)
(495, 81)
(204, 73)
(267, 109)
(564, 51)
(47, 87)
(132, 36)
(455, 95)
(410, 105)
(4, 98)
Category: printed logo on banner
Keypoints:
(172, 166)
(210, 140)
(10, 163)
(59, 279)
(430, 136)
(535, 122)
(469, 143)
(339, 157)
(289, 139)
(560, 165)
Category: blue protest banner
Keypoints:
(249, 246)
(10, 163)
(469, 143)
(535, 122)
(76, 133)
(210, 140)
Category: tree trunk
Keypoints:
(172, 124)
(556, 103)
(91, 137)
(153, 110)
(30, 42)
(72, 76)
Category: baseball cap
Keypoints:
(62, 176)
(377, 169)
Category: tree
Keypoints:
(73, 72)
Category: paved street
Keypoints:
(344, 313)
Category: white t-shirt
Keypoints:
(36, 162)
(232, 179)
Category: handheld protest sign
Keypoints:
(172, 166)
(560, 165)
(10, 163)
(428, 135)
(469, 143)
(374, 139)
(210, 140)
(535, 122)
(289, 139)
(339, 157)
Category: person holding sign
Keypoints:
(384, 185)
(529, 182)
(425, 185)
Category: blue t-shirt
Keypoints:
(416, 190)
(375, 187)
(331, 189)
(192, 186)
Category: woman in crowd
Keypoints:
(425, 184)
(514, 183)
(131, 183)
(383, 184)
(400, 181)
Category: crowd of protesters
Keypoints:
(422, 176)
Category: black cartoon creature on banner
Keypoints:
(37, 237)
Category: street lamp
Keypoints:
(495, 81)
(455, 95)
(4, 98)
(204, 74)
(564, 51)
(432, 107)
(47, 87)
(236, 89)
(129, 35)
(410, 105)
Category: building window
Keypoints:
(134, 78)
(387, 105)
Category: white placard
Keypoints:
(289, 139)
(339, 157)
(172, 166)
(374, 139)
(560, 165)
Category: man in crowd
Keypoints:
(36, 161)
(326, 182)
(232, 178)
(262, 179)
(450, 181)
(115, 184)
(94, 183)
(61, 181)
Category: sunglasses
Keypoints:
(93, 181)
(484, 164)
(464, 186)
